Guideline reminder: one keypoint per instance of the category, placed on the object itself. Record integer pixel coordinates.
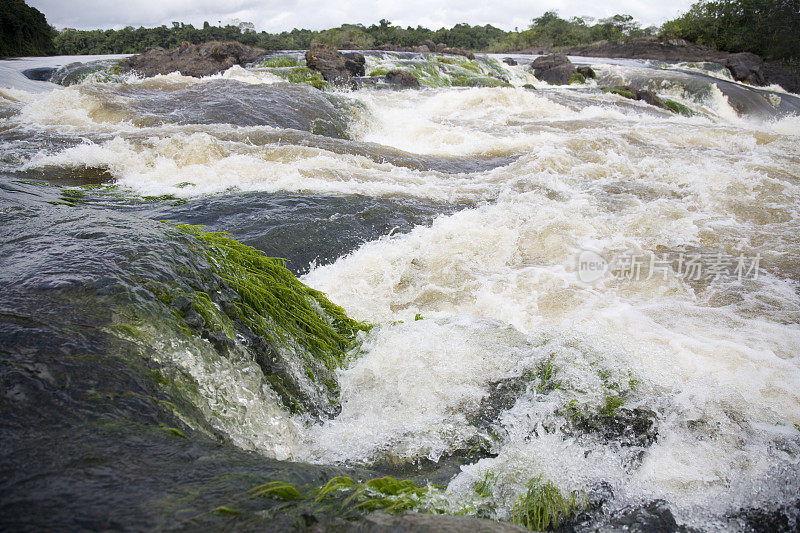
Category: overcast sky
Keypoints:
(280, 15)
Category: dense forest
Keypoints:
(546, 31)
(23, 30)
(770, 28)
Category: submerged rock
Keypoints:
(39, 74)
(77, 72)
(651, 517)
(196, 60)
(780, 519)
(555, 69)
(402, 78)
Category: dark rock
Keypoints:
(354, 63)
(329, 62)
(416, 523)
(458, 52)
(638, 94)
(783, 75)
(77, 72)
(678, 50)
(429, 44)
(783, 519)
(196, 60)
(649, 97)
(510, 61)
(403, 78)
(440, 47)
(652, 517)
(648, 48)
(747, 68)
(420, 49)
(555, 69)
(39, 74)
(628, 427)
(587, 72)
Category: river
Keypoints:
(560, 283)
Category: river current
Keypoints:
(584, 287)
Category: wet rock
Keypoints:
(555, 69)
(747, 68)
(633, 93)
(587, 72)
(430, 45)
(628, 427)
(649, 518)
(354, 63)
(402, 78)
(77, 72)
(416, 522)
(648, 48)
(196, 60)
(39, 74)
(510, 61)
(457, 52)
(329, 62)
(783, 75)
(783, 519)
(678, 50)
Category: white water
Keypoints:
(497, 283)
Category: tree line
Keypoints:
(24, 31)
(770, 28)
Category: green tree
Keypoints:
(770, 28)
(23, 30)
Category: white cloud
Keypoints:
(276, 16)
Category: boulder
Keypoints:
(354, 63)
(440, 47)
(633, 93)
(430, 45)
(747, 68)
(458, 52)
(420, 49)
(587, 72)
(783, 75)
(402, 78)
(510, 61)
(330, 63)
(196, 60)
(350, 45)
(555, 69)
(39, 73)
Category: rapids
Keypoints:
(453, 220)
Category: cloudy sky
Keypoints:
(280, 15)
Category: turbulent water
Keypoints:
(458, 222)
